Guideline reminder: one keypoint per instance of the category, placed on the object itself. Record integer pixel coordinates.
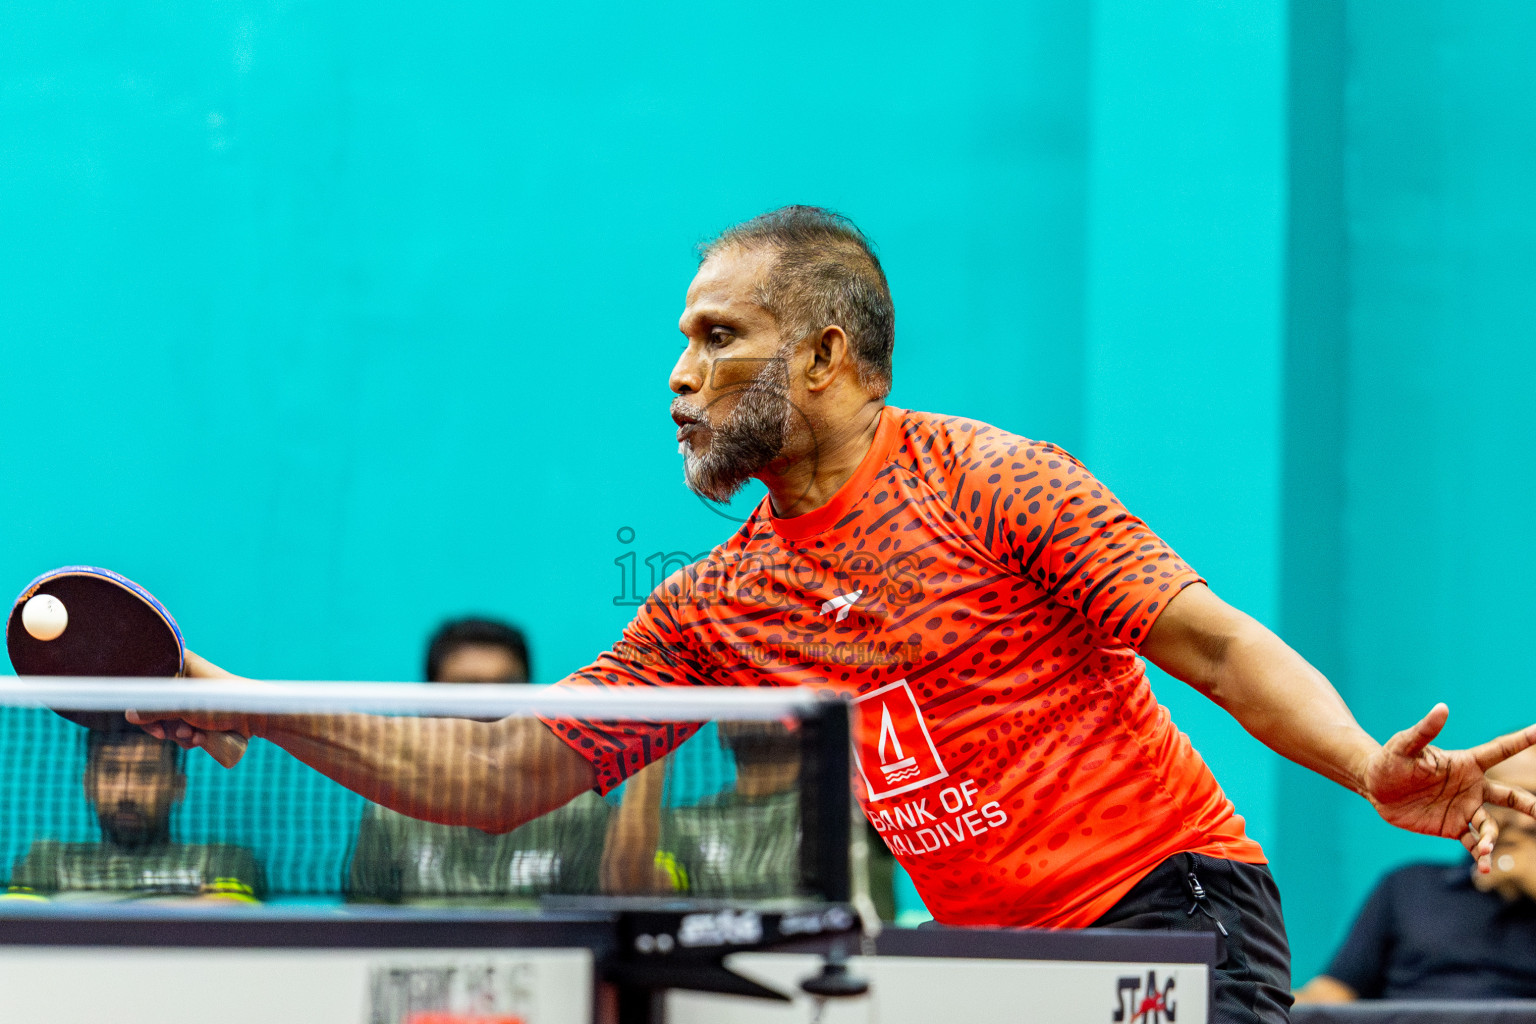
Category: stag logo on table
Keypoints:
(1149, 1004)
(896, 751)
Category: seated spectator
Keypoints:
(743, 842)
(132, 781)
(401, 859)
(1438, 931)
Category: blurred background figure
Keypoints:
(133, 781)
(401, 859)
(1437, 931)
(745, 841)
(742, 841)
(474, 650)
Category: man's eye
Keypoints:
(720, 336)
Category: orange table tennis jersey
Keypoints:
(981, 597)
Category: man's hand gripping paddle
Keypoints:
(84, 621)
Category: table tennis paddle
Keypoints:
(111, 626)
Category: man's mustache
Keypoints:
(682, 408)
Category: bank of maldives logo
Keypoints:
(896, 753)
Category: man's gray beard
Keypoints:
(752, 436)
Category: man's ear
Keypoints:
(829, 352)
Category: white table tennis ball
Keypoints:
(1506, 863)
(44, 617)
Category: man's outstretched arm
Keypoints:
(490, 775)
(1290, 707)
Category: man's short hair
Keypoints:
(824, 273)
(97, 740)
(476, 632)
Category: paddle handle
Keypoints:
(225, 747)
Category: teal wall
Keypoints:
(328, 321)
(1440, 156)
(1183, 338)
(1319, 880)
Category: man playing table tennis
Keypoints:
(983, 598)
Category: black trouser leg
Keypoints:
(1253, 979)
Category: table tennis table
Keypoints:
(576, 960)
(558, 964)
(405, 964)
(1418, 1011)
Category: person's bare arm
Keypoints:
(493, 776)
(1290, 707)
(1270, 689)
(1324, 989)
(634, 833)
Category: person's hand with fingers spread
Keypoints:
(1419, 787)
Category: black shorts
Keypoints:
(1253, 977)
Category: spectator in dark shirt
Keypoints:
(1435, 931)
(133, 781)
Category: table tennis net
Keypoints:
(747, 809)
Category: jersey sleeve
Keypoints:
(1042, 514)
(656, 650)
(1361, 962)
